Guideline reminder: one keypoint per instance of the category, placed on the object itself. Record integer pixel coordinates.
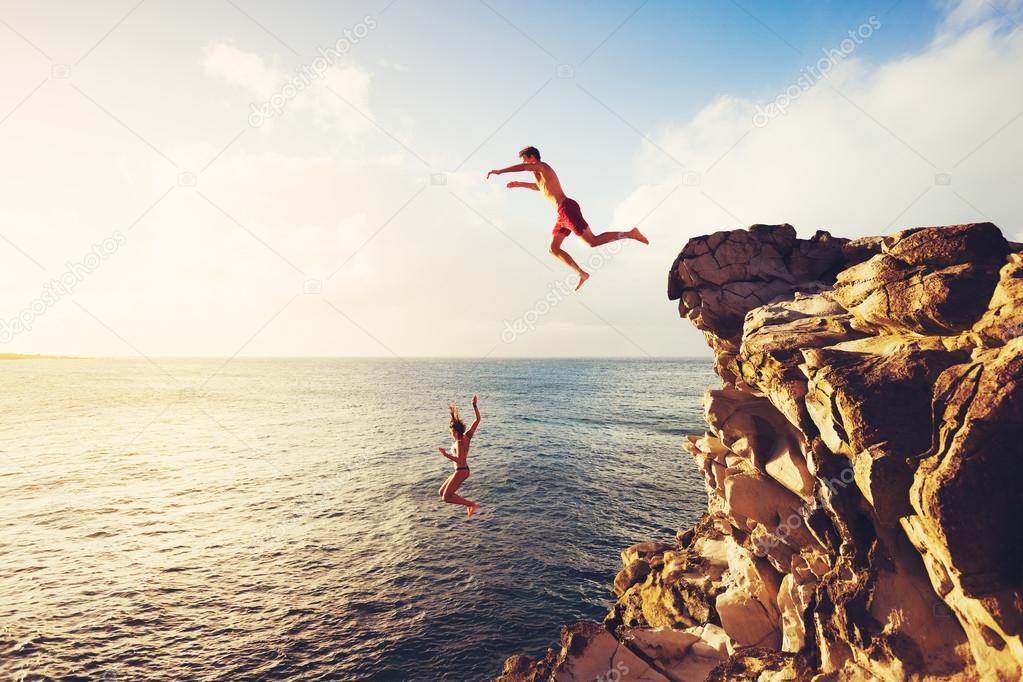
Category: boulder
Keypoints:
(968, 496)
(876, 410)
(927, 280)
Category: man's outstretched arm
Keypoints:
(524, 185)
(518, 168)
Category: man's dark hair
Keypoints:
(530, 151)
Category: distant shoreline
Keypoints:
(19, 356)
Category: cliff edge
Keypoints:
(863, 461)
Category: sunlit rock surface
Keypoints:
(863, 462)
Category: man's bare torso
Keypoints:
(550, 186)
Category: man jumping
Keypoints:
(570, 217)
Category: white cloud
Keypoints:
(966, 13)
(334, 97)
(243, 69)
(339, 100)
(395, 66)
(867, 150)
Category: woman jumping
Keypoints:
(460, 445)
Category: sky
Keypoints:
(252, 178)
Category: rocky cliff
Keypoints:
(863, 461)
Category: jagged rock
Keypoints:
(518, 668)
(875, 409)
(773, 339)
(858, 250)
(749, 607)
(682, 655)
(940, 247)
(710, 455)
(719, 278)
(715, 637)
(927, 280)
(758, 664)
(682, 584)
(1003, 319)
(862, 467)
(793, 600)
(968, 495)
(754, 429)
(634, 573)
(644, 550)
(762, 500)
(589, 652)
(906, 614)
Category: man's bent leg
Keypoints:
(564, 256)
(561, 254)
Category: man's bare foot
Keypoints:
(583, 276)
(638, 236)
(471, 510)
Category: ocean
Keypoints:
(278, 519)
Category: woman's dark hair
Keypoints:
(456, 424)
(530, 151)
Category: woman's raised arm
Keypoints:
(476, 409)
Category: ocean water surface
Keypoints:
(268, 519)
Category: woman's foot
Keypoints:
(638, 236)
(471, 509)
(583, 276)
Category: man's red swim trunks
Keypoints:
(570, 218)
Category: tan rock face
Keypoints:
(876, 410)
(748, 609)
(752, 429)
(591, 653)
(719, 278)
(968, 495)
(1003, 319)
(925, 283)
(774, 337)
(863, 465)
(847, 371)
(681, 654)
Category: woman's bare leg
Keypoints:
(444, 486)
(450, 495)
(452, 498)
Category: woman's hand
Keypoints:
(493, 172)
(475, 408)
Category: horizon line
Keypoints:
(51, 356)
